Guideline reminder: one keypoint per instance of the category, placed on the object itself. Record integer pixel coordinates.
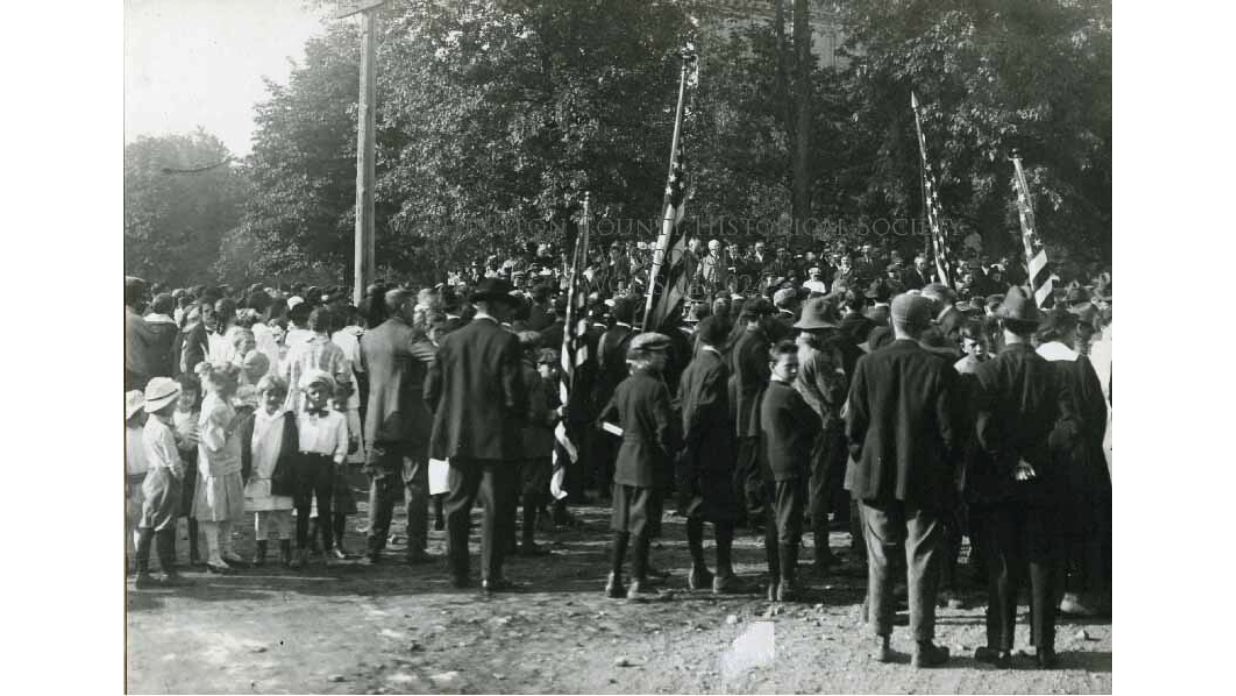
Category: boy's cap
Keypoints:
(647, 343)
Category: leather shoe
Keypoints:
(883, 651)
(1047, 658)
(928, 654)
(496, 585)
(728, 584)
(699, 578)
(1000, 658)
(614, 588)
(639, 591)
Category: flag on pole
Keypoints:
(674, 289)
(574, 354)
(931, 202)
(671, 244)
(1036, 254)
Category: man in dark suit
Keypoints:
(902, 438)
(1019, 402)
(707, 464)
(611, 370)
(476, 392)
(918, 277)
(396, 358)
(749, 372)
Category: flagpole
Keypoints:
(933, 227)
(667, 221)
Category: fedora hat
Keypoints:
(1017, 307)
(493, 290)
(818, 313)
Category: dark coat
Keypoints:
(161, 347)
(749, 365)
(538, 432)
(788, 432)
(901, 428)
(1077, 441)
(552, 334)
(650, 434)
(708, 432)
(396, 359)
(194, 345)
(612, 362)
(281, 480)
(1017, 405)
(476, 392)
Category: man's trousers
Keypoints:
(1021, 541)
(491, 480)
(902, 528)
(395, 473)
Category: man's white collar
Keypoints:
(1056, 351)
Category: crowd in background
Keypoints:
(782, 377)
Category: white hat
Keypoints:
(160, 392)
(295, 300)
(133, 401)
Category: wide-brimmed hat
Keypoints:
(133, 401)
(493, 290)
(161, 391)
(819, 313)
(1018, 307)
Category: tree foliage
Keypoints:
(493, 114)
(175, 212)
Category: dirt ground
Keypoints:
(346, 628)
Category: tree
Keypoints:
(993, 76)
(177, 207)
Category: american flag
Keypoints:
(574, 354)
(672, 242)
(931, 201)
(1036, 255)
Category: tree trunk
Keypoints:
(801, 141)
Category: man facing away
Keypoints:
(475, 390)
(901, 433)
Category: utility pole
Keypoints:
(363, 265)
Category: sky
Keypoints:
(190, 63)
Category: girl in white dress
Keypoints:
(272, 443)
(218, 501)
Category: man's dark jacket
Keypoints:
(901, 428)
(396, 359)
(476, 392)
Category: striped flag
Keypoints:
(674, 289)
(1036, 254)
(672, 242)
(574, 353)
(931, 201)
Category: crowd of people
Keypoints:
(794, 394)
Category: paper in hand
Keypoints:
(611, 428)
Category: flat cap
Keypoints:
(648, 343)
